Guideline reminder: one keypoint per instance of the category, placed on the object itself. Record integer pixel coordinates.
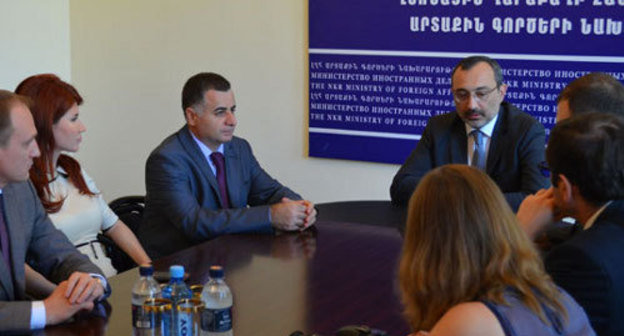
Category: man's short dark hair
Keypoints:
(196, 86)
(8, 100)
(588, 150)
(469, 62)
(594, 92)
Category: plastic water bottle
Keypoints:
(216, 319)
(175, 291)
(145, 288)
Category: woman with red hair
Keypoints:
(68, 194)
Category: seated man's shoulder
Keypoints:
(607, 235)
(169, 144)
(444, 119)
(18, 186)
(22, 189)
(441, 124)
(239, 142)
(517, 116)
(239, 145)
(600, 245)
(176, 146)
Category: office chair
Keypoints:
(129, 209)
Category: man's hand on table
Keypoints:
(290, 215)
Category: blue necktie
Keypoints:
(219, 161)
(478, 156)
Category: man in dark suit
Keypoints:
(202, 181)
(483, 131)
(594, 92)
(25, 229)
(585, 154)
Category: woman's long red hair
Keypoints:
(52, 98)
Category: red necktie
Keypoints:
(219, 161)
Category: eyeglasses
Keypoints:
(462, 95)
(544, 169)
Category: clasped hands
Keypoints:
(291, 215)
(76, 293)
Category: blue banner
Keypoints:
(380, 69)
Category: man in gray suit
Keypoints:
(25, 230)
(202, 181)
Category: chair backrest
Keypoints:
(129, 209)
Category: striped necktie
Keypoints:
(478, 156)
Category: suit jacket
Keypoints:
(590, 266)
(516, 149)
(32, 235)
(182, 205)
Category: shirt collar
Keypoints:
(204, 149)
(486, 129)
(593, 218)
(59, 172)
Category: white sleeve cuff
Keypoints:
(37, 315)
(104, 284)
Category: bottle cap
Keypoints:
(216, 272)
(176, 271)
(146, 270)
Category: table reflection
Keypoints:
(316, 281)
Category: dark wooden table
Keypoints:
(315, 281)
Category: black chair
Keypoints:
(380, 213)
(129, 209)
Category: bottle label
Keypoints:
(142, 319)
(216, 320)
(185, 323)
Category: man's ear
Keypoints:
(190, 116)
(566, 189)
(503, 90)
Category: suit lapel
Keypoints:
(498, 142)
(15, 238)
(233, 171)
(613, 212)
(198, 157)
(459, 142)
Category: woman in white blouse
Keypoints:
(68, 194)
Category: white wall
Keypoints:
(34, 35)
(129, 60)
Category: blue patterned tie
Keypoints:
(478, 156)
(219, 161)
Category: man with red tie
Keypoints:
(203, 181)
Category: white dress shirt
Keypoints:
(487, 131)
(207, 152)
